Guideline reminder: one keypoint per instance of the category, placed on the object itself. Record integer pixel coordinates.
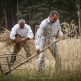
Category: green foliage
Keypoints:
(20, 15)
(37, 10)
(24, 75)
(34, 11)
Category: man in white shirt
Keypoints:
(25, 33)
(48, 30)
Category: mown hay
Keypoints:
(4, 37)
(69, 51)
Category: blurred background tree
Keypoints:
(34, 11)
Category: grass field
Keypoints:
(70, 53)
(27, 76)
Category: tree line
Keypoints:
(34, 11)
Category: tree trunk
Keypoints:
(80, 21)
(79, 14)
(5, 20)
(11, 10)
(17, 9)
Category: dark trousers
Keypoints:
(17, 48)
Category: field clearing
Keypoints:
(69, 51)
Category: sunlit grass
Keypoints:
(70, 52)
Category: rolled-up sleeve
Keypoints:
(13, 33)
(30, 33)
(37, 41)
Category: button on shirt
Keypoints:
(25, 32)
(47, 28)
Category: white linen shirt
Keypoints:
(45, 27)
(25, 32)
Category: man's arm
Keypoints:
(39, 34)
(13, 33)
(30, 33)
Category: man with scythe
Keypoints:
(48, 31)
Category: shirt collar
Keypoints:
(20, 28)
(48, 20)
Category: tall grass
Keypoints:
(70, 53)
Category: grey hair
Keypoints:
(54, 12)
(21, 21)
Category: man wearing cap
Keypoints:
(48, 30)
(25, 33)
